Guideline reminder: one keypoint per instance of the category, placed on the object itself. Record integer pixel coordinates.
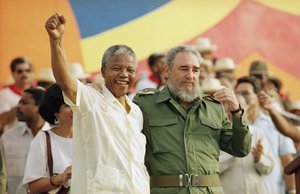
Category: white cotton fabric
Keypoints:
(109, 147)
(36, 164)
(9, 100)
(15, 145)
(247, 176)
(280, 146)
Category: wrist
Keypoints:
(238, 111)
(53, 180)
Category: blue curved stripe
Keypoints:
(96, 16)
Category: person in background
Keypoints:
(45, 78)
(247, 174)
(282, 147)
(78, 72)
(37, 177)
(156, 64)
(226, 66)
(185, 131)
(22, 72)
(206, 49)
(16, 141)
(205, 70)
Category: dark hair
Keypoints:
(152, 59)
(19, 60)
(52, 101)
(251, 80)
(37, 94)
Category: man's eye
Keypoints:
(131, 70)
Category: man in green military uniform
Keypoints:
(186, 131)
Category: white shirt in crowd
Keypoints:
(281, 146)
(246, 175)
(109, 147)
(37, 163)
(9, 100)
(15, 145)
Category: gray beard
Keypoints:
(184, 95)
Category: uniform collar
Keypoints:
(163, 95)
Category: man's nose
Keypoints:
(190, 73)
(124, 73)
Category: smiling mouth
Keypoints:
(123, 83)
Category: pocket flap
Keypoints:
(212, 123)
(163, 122)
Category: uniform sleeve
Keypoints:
(36, 163)
(235, 136)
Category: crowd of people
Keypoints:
(189, 127)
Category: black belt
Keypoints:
(185, 180)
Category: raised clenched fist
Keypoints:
(55, 26)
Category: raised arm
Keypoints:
(55, 27)
(280, 122)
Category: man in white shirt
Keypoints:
(22, 72)
(15, 142)
(108, 144)
(282, 147)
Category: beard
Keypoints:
(184, 94)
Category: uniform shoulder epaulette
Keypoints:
(147, 91)
(210, 98)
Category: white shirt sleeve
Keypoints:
(286, 146)
(85, 98)
(36, 163)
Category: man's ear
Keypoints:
(168, 72)
(103, 72)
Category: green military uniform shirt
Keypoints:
(183, 141)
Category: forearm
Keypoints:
(284, 126)
(8, 116)
(289, 179)
(39, 186)
(60, 69)
(44, 184)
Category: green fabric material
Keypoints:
(2, 174)
(189, 142)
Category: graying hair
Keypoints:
(118, 50)
(183, 48)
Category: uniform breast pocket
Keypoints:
(207, 126)
(165, 134)
(205, 136)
